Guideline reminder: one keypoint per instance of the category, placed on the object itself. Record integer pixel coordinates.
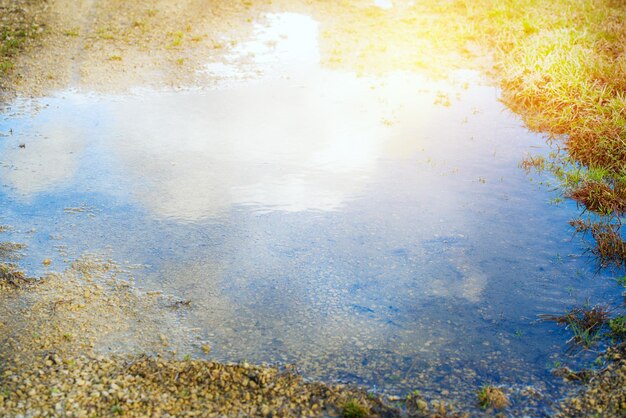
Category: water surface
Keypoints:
(372, 230)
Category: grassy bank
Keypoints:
(562, 66)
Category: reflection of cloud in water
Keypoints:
(318, 140)
(287, 43)
(384, 4)
(273, 145)
(46, 161)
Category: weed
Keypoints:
(11, 250)
(580, 225)
(601, 196)
(176, 39)
(609, 246)
(106, 34)
(115, 58)
(139, 24)
(353, 409)
(10, 276)
(71, 32)
(15, 34)
(492, 397)
(618, 326)
(5, 67)
(585, 322)
(566, 373)
(536, 163)
(443, 99)
(416, 405)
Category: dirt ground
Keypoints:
(117, 45)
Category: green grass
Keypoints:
(618, 326)
(16, 31)
(74, 32)
(562, 66)
(175, 39)
(353, 409)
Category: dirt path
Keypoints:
(116, 45)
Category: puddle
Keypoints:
(383, 4)
(369, 230)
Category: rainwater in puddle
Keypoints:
(372, 230)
